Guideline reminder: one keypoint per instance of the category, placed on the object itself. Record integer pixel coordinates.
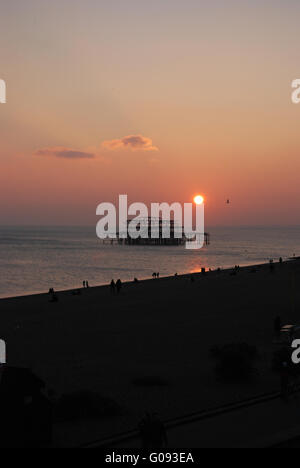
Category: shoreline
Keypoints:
(143, 280)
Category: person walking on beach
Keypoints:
(119, 286)
(83, 284)
(112, 287)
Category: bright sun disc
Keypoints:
(199, 200)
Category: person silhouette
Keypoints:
(83, 284)
(53, 298)
(112, 287)
(119, 286)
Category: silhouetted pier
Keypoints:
(152, 232)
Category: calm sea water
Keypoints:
(34, 259)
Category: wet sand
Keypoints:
(158, 328)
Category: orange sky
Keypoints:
(159, 101)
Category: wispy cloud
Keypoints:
(66, 153)
(130, 142)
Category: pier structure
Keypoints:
(152, 231)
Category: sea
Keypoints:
(34, 259)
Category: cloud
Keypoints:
(66, 153)
(130, 142)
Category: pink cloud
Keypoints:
(67, 153)
(130, 142)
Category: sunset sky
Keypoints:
(159, 99)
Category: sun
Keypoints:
(199, 200)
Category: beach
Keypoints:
(33, 259)
(158, 328)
